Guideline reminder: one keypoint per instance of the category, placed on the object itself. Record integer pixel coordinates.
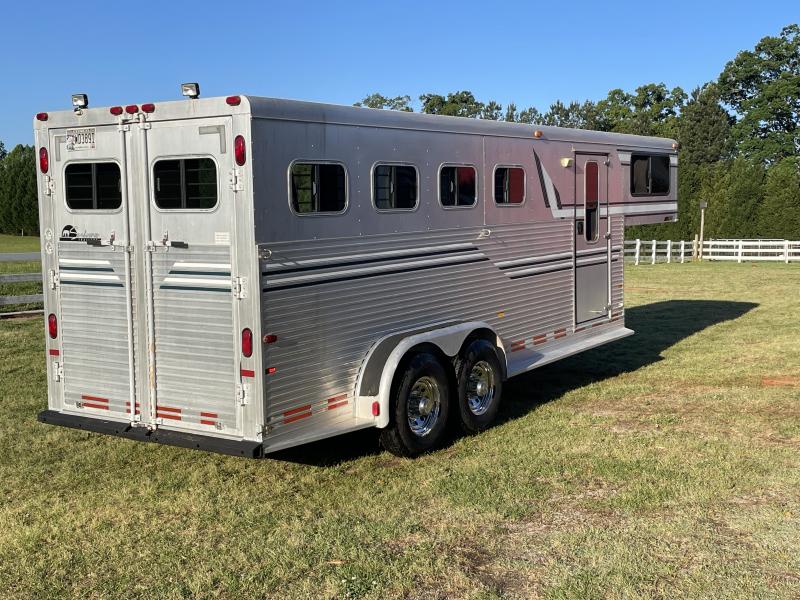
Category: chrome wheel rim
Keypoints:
(424, 406)
(480, 388)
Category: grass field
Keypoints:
(16, 243)
(665, 465)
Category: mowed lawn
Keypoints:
(18, 244)
(665, 465)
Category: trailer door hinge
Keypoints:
(53, 279)
(239, 287)
(58, 371)
(49, 185)
(235, 180)
(150, 246)
(243, 393)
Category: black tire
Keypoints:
(480, 355)
(422, 373)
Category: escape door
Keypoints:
(592, 237)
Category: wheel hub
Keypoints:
(480, 387)
(423, 406)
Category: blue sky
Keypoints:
(530, 52)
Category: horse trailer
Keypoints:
(247, 274)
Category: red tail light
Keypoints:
(247, 343)
(42, 116)
(239, 150)
(44, 160)
(270, 338)
(148, 108)
(116, 110)
(233, 100)
(52, 326)
(131, 109)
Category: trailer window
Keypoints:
(93, 186)
(509, 185)
(649, 174)
(457, 186)
(185, 184)
(591, 198)
(318, 188)
(394, 187)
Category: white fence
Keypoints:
(653, 251)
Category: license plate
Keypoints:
(80, 139)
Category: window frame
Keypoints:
(439, 185)
(524, 185)
(151, 174)
(598, 217)
(393, 163)
(309, 161)
(650, 156)
(94, 211)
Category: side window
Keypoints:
(318, 188)
(93, 186)
(509, 185)
(185, 184)
(394, 187)
(649, 175)
(458, 186)
(591, 198)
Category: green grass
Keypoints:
(16, 243)
(662, 466)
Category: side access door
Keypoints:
(188, 230)
(592, 238)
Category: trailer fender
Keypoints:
(374, 382)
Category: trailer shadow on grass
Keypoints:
(658, 326)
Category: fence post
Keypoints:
(638, 251)
(786, 251)
(739, 253)
(683, 251)
(669, 251)
(694, 248)
(653, 252)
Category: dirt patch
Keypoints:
(785, 381)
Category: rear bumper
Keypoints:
(244, 448)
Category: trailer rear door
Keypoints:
(188, 228)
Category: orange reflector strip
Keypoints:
(560, 333)
(209, 414)
(54, 352)
(337, 401)
(271, 370)
(168, 409)
(519, 345)
(248, 373)
(94, 398)
(206, 422)
(299, 409)
(539, 339)
(172, 416)
(93, 405)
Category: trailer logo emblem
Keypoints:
(69, 233)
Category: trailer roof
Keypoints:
(297, 110)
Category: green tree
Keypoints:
(763, 87)
(3, 151)
(704, 128)
(401, 103)
(19, 209)
(492, 111)
(455, 104)
(779, 213)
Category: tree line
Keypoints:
(739, 141)
(739, 137)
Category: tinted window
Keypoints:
(591, 198)
(93, 186)
(649, 175)
(185, 183)
(509, 185)
(394, 187)
(318, 188)
(457, 186)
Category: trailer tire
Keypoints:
(480, 386)
(420, 407)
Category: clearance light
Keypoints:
(247, 343)
(149, 107)
(233, 100)
(116, 110)
(239, 150)
(270, 338)
(131, 109)
(376, 409)
(538, 134)
(52, 326)
(44, 160)
(41, 116)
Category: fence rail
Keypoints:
(20, 278)
(658, 251)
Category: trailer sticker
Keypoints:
(337, 401)
(94, 402)
(295, 414)
(168, 412)
(222, 238)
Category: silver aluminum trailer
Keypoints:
(247, 274)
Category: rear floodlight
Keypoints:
(192, 90)
(80, 101)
